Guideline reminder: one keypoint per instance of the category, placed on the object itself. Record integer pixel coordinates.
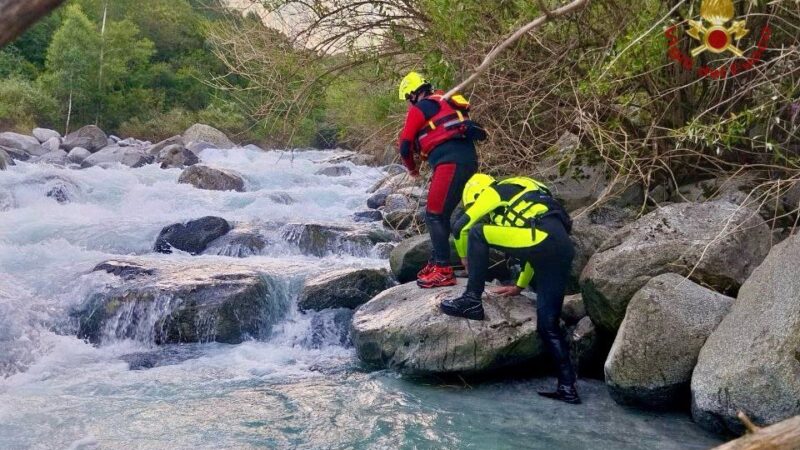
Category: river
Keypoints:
(298, 388)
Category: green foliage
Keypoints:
(23, 105)
(149, 69)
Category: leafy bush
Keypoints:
(23, 105)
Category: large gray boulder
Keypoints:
(318, 239)
(717, 244)
(89, 137)
(193, 236)
(172, 301)
(200, 132)
(656, 348)
(751, 362)
(28, 145)
(52, 144)
(78, 155)
(176, 156)
(112, 155)
(590, 229)
(43, 134)
(397, 202)
(204, 177)
(403, 329)
(57, 157)
(343, 288)
(155, 149)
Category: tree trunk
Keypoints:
(781, 436)
(17, 15)
(69, 113)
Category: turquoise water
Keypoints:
(301, 388)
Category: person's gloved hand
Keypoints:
(414, 173)
(506, 291)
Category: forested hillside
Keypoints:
(134, 67)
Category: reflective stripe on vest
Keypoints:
(534, 200)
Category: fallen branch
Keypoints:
(781, 436)
(536, 23)
(17, 15)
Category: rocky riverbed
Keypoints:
(236, 297)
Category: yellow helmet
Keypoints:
(474, 187)
(411, 83)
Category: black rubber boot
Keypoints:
(564, 393)
(468, 306)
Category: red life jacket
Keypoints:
(449, 123)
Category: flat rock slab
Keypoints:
(404, 330)
(165, 301)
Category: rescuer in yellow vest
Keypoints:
(520, 217)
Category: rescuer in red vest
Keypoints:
(440, 131)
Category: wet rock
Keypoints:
(5, 161)
(281, 198)
(198, 147)
(573, 310)
(334, 171)
(204, 177)
(111, 156)
(57, 158)
(368, 216)
(60, 189)
(89, 137)
(242, 241)
(176, 156)
(164, 302)
(588, 349)
(52, 145)
(155, 149)
(200, 132)
(719, 243)
(397, 202)
(751, 362)
(382, 250)
(378, 199)
(656, 348)
(323, 239)
(15, 154)
(78, 154)
(43, 134)
(403, 329)
(193, 236)
(344, 288)
(28, 145)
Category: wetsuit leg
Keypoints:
(551, 261)
(444, 195)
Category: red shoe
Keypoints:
(440, 276)
(426, 270)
